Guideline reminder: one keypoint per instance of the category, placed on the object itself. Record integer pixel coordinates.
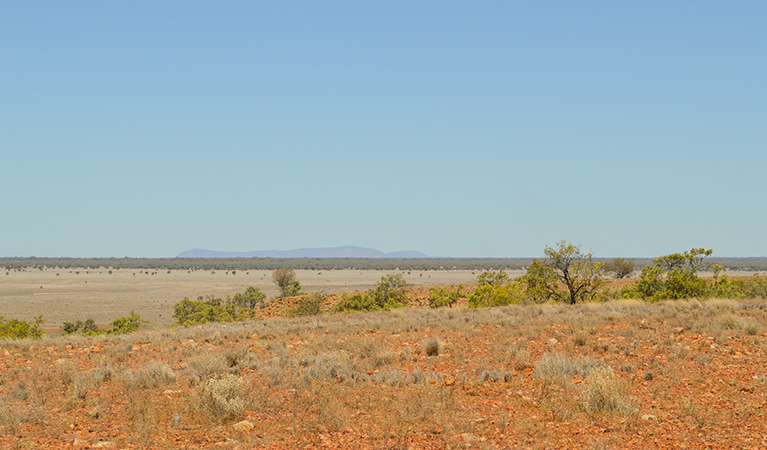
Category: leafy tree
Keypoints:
(566, 266)
(537, 281)
(285, 279)
(619, 267)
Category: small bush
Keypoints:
(213, 309)
(603, 394)
(557, 365)
(285, 279)
(207, 365)
(487, 295)
(250, 299)
(123, 325)
(673, 276)
(19, 329)
(619, 267)
(154, 374)
(309, 305)
(389, 293)
(493, 278)
(432, 347)
(70, 328)
(441, 297)
(222, 398)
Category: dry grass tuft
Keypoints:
(222, 398)
(603, 394)
(432, 346)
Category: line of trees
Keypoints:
(237, 264)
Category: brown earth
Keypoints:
(624, 374)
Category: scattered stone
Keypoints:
(243, 426)
(104, 444)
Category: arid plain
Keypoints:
(103, 295)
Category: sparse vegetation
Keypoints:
(215, 309)
(295, 373)
(388, 293)
(121, 325)
(585, 368)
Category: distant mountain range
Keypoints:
(332, 252)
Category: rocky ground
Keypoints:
(624, 374)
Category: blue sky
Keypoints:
(454, 128)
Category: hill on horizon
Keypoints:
(329, 252)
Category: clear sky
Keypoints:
(494, 128)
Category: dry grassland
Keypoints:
(70, 295)
(625, 374)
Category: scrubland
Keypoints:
(103, 294)
(616, 374)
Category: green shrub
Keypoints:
(309, 305)
(213, 309)
(752, 287)
(251, 298)
(123, 325)
(19, 329)
(390, 292)
(70, 328)
(494, 289)
(486, 295)
(673, 276)
(493, 278)
(441, 297)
